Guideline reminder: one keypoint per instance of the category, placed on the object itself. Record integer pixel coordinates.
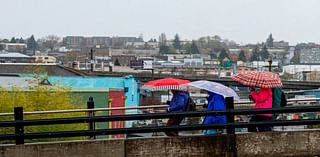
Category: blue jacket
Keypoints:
(178, 102)
(215, 102)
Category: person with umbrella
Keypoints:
(262, 98)
(178, 103)
(179, 100)
(216, 101)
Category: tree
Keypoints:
(176, 42)
(223, 54)
(38, 97)
(295, 59)
(255, 55)
(242, 56)
(13, 40)
(32, 44)
(270, 41)
(164, 49)
(212, 42)
(162, 39)
(140, 38)
(21, 40)
(194, 48)
(264, 53)
(5, 41)
(49, 42)
(117, 63)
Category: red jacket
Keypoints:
(263, 99)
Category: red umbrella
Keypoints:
(262, 79)
(165, 84)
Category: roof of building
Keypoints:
(51, 69)
(13, 55)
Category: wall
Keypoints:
(303, 143)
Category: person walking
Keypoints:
(216, 102)
(178, 103)
(262, 99)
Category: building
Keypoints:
(15, 57)
(14, 47)
(102, 42)
(193, 61)
(123, 60)
(74, 42)
(45, 59)
(298, 68)
(310, 55)
(120, 42)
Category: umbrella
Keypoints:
(216, 88)
(165, 84)
(262, 79)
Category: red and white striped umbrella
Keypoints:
(165, 84)
(262, 79)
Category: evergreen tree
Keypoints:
(242, 57)
(32, 44)
(296, 58)
(194, 48)
(116, 63)
(223, 54)
(13, 40)
(164, 49)
(264, 53)
(255, 55)
(270, 41)
(176, 42)
(21, 40)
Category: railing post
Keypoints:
(18, 129)
(90, 105)
(231, 138)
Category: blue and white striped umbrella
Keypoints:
(215, 87)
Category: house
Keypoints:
(15, 57)
(14, 47)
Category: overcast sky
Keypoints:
(245, 21)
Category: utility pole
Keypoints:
(270, 65)
(91, 59)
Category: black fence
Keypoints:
(19, 136)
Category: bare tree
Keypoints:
(50, 42)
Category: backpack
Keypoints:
(278, 98)
(191, 105)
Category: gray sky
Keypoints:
(245, 21)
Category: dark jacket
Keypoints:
(178, 102)
(216, 102)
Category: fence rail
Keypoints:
(19, 135)
(236, 103)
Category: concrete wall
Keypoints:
(109, 148)
(304, 143)
(248, 145)
(195, 146)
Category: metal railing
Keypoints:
(236, 103)
(19, 123)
